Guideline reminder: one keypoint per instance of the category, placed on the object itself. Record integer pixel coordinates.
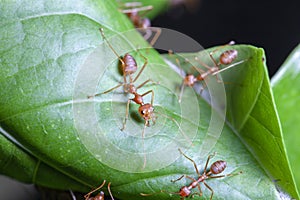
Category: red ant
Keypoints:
(139, 21)
(99, 196)
(146, 110)
(133, 13)
(129, 66)
(225, 58)
(215, 168)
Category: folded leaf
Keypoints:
(286, 93)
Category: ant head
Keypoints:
(147, 111)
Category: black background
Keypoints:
(272, 25)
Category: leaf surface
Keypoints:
(286, 93)
(53, 57)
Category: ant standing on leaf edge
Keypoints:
(226, 58)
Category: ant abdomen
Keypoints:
(228, 56)
(218, 167)
(130, 66)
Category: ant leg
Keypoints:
(203, 87)
(152, 95)
(104, 37)
(182, 74)
(181, 92)
(142, 84)
(195, 166)
(179, 65)
(201, 71)
(203, 64)
(156, 35)
(207, 161)
(132, 4)
(109, 191)
(173, 181)
(226, 68)
(146, 9)
(133, 9)
(221, 176)
(198, 193)
(230, 66)
(212, 191)
(143, 138)
(192, 179)
(146, 33)
(142, 69)
(89, 194)
(114, 51)
(126, 115)
(199, 188)
(107, 91)
(72, 194)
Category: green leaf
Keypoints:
(286, 93)
(51, 61)
(259, 129)
(43, 45)
(252, 114)
(14, 160)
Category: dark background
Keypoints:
(272, 25)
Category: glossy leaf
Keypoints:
(287, 93)
(253, 117)
(20, 165)
(47, 49)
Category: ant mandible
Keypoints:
(215, 168)
(99, 196)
